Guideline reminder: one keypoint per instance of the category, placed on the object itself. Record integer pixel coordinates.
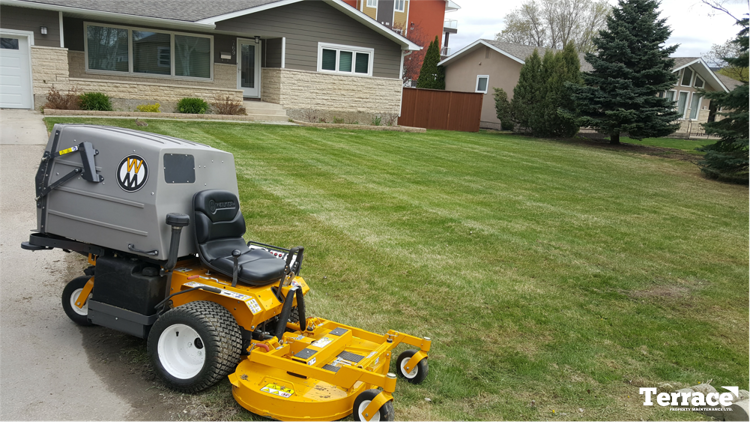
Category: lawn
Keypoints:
(688, 145)
(551, 272)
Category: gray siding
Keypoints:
(25, 19)
(73, 29)
(307, 23)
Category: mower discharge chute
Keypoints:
(160, 221)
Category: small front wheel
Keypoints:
(195, 345)
(418, 373)
(385, 413)
(70, 299)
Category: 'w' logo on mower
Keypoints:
(132, 173)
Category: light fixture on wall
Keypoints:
(43, 30)
(257, 39)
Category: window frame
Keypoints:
(131, 62)
(487, 87)
(695, 82)
(687, 103)
(349, 48)
(395, 6)
(372, 4)
(688, 106)
(682, 76)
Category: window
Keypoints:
(695, 106)
(687, 76)
(164, 56)
(372, 3)
(699, 82)
(148, 53)
(148, 48)
(399, 5)
(681, 102)
(192, 56)
(345, 60)
(482, 82)
(670, 95)
(9, 43)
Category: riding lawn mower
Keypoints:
(159, 220)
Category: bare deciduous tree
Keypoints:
(552, 23)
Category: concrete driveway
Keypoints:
(51, 369)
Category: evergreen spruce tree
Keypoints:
(630, 68)
(567, 78)
(432, 76)
(502, 109)
(526, 94)
(727, 159)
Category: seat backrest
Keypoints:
(219, 224)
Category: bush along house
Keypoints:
(316, 59)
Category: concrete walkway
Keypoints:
(45, 373)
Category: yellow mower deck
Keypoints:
(310, 374)
(316, 375)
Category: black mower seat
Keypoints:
(219, 226)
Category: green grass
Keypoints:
(688, 145)
(547, 271)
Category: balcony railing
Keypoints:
(445, 51)
(450, 23)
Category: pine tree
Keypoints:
(432, 76)
(727, 159)
(526, 94)
(630, 69)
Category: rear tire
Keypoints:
(194, 346)
(385, 413)
(69, 299)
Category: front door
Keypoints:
(248, 68)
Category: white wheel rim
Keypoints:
(84, 310)
(413, 373)
(181, 351)
(361, 411)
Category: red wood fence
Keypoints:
(446, 110)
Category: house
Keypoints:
(486, 64)
(320, 58)
(418, 20)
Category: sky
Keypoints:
(695, 26)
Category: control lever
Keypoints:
(236, 271)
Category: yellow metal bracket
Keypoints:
(376, 404)
(84, 296)
(412, 363)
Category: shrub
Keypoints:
(94, 101)
(60, 101)
(226, 105)
(149, 108)
(337, 120)
(192, 106)
(377, 120)
(502, 109)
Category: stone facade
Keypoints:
(66, 69)
(306, 95)
(314, 96)
(225, 75)
(49, 67)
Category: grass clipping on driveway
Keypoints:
(544, 271)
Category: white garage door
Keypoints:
(15, 75)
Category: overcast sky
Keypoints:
(694, 25)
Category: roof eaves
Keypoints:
(172, 23)
(243, 12)
(708, 70)
(338, 4)
(474, 44)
